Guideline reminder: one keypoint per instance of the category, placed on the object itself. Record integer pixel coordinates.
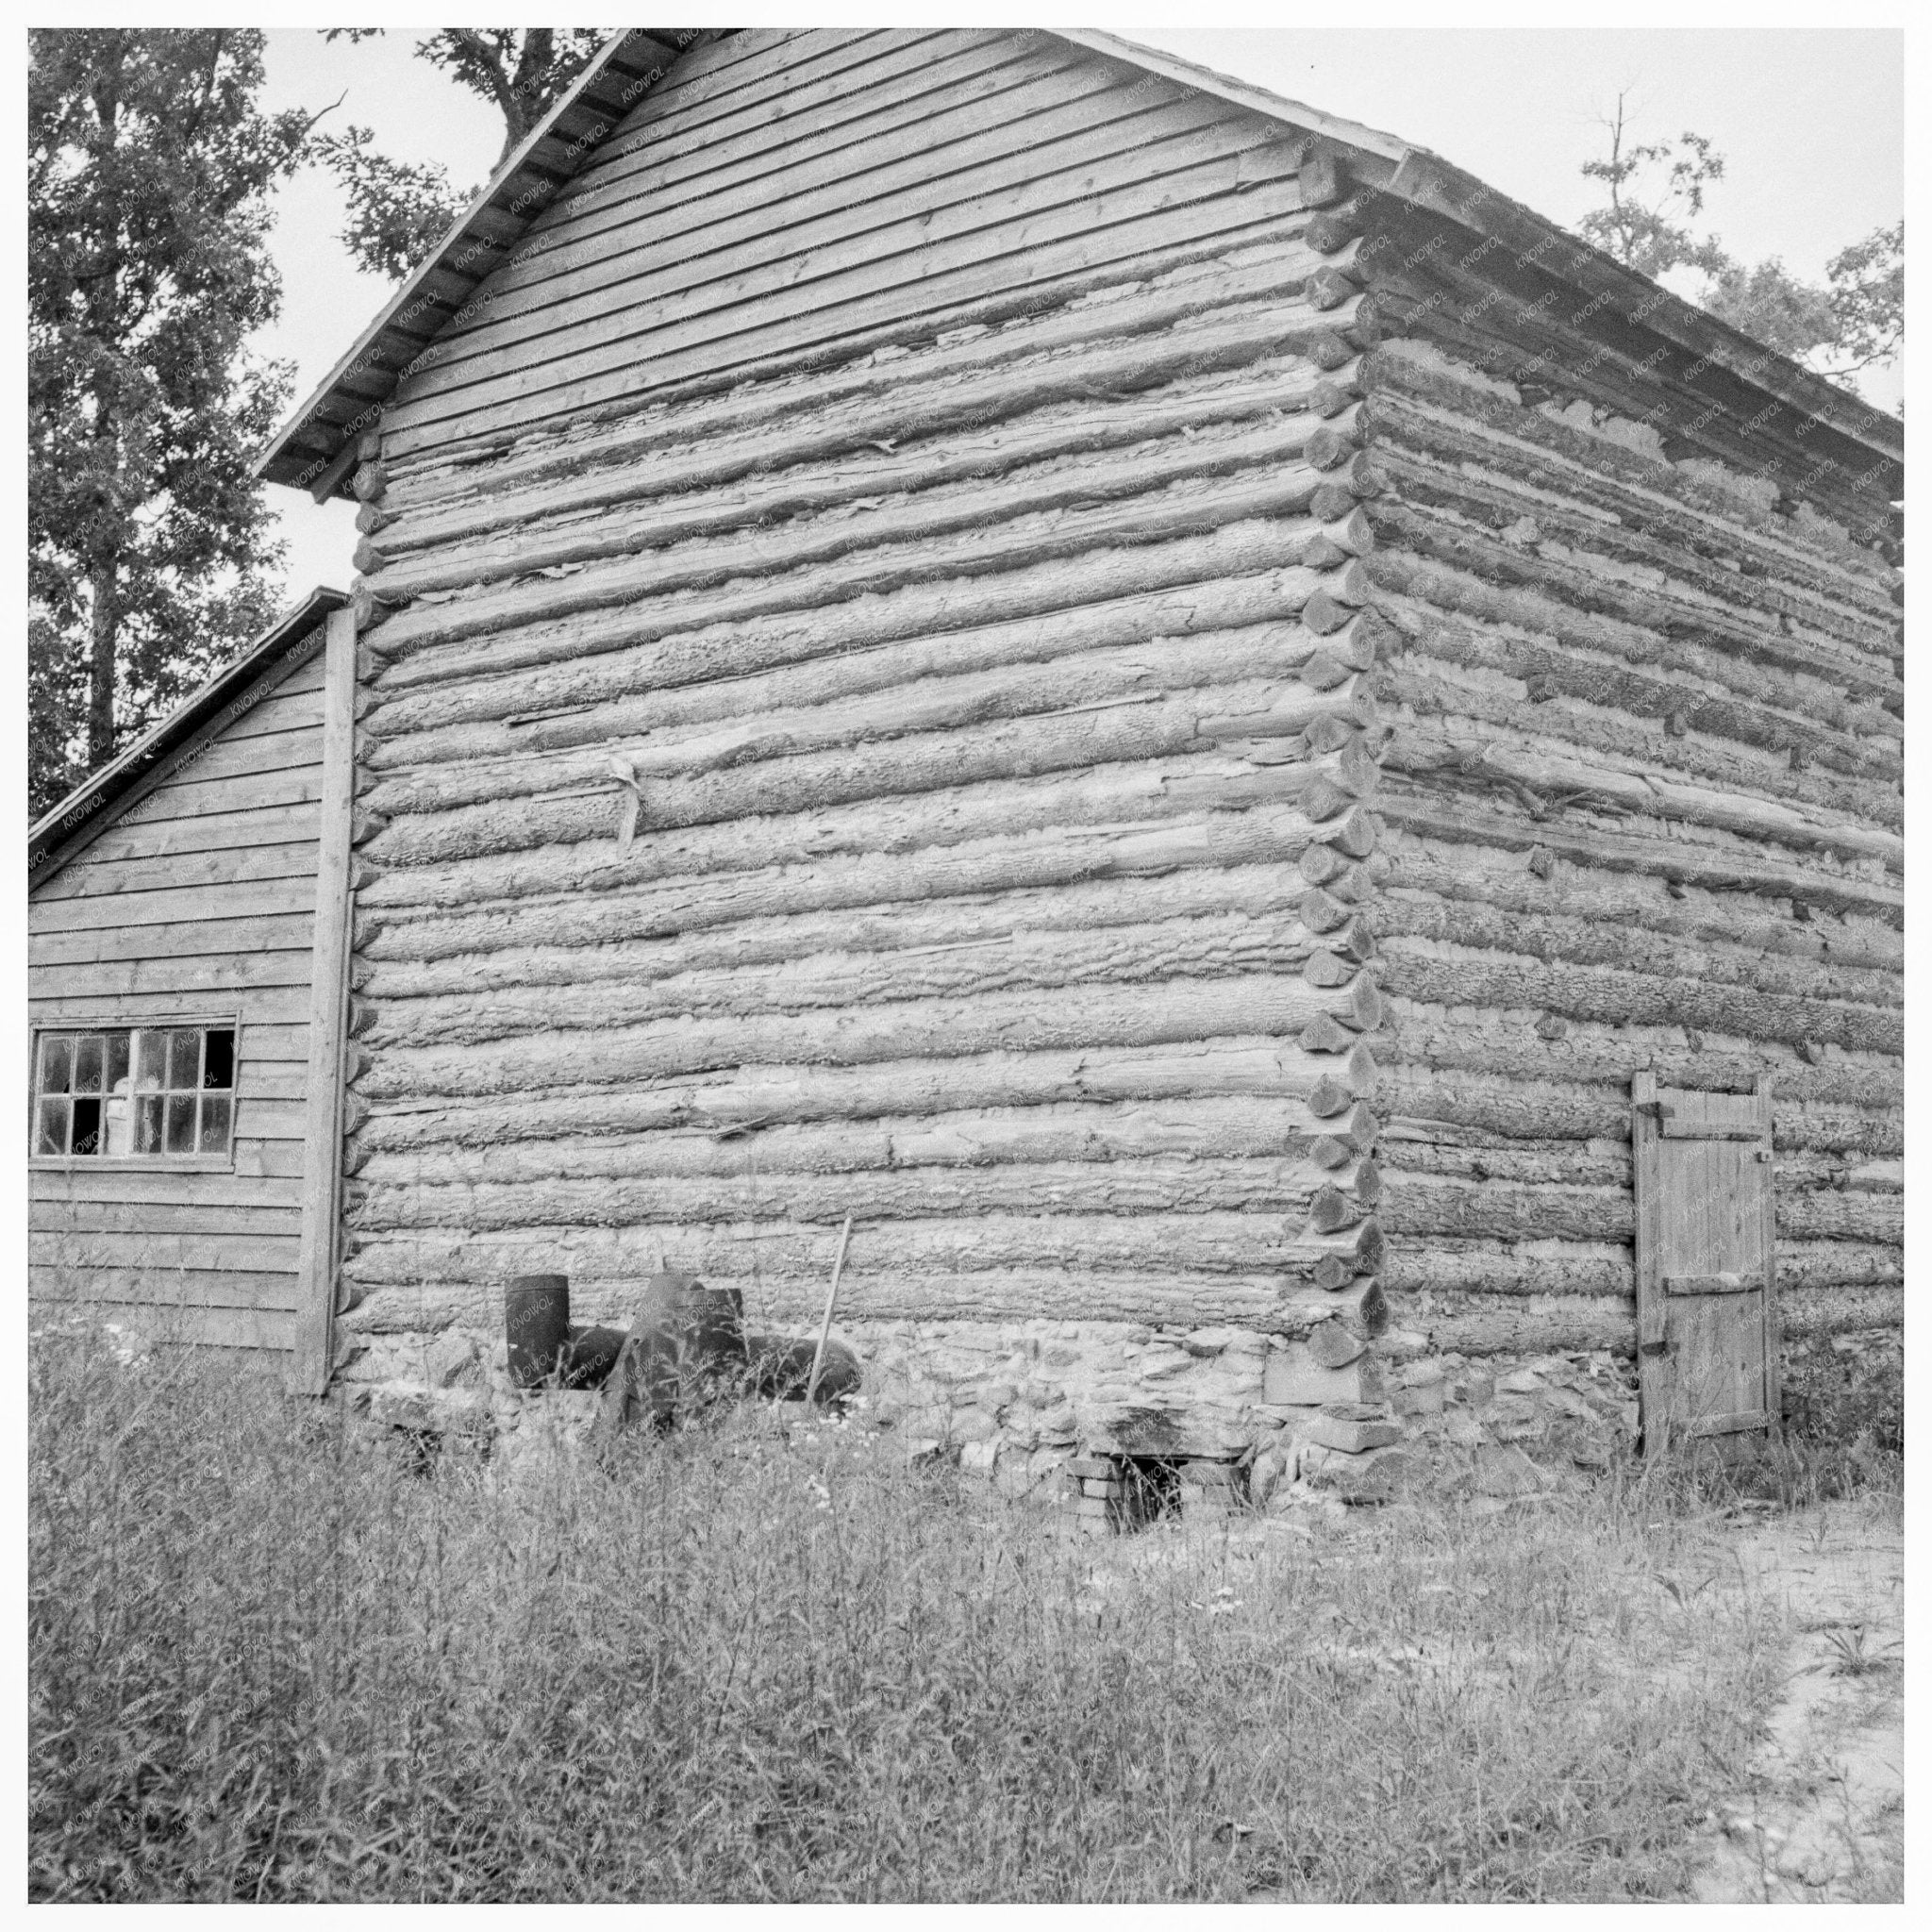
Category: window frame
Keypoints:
(131, 1163)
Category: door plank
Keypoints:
(1702, 1172)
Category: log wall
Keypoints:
(863, 679)
(198, 902)
(1642, 800)
(953, 641)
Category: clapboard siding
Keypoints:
(197, 901)
(139, 879)
(1072, 168)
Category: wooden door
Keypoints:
(1707, 1314)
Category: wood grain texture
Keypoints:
(913, 669)
(196, 904)
(314, 1347)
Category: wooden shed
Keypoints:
(186, 976)
(1161, 698)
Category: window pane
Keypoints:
(218, 1065)
(216, 1112)
(184, 1058)
(57, 1063)
(135, 1090)
(87, 1063)
(151, 1061)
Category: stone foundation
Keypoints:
(1079, 1413)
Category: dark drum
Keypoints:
(536, 1324)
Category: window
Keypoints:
(115, 1092)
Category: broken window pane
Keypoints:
(218, 1064)
(135, 1090)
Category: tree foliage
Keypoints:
(398, 210)
(148, 171)
(1647, 227)
(1855, 321)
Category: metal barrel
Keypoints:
(536, 1325)
(590, 1355)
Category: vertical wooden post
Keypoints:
(1773, 1368)
(321, 1150)
(1645, 1130)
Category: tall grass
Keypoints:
(760, 1661)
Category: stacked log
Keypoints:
(932, 782)
(1174, 773)
(1643, 802)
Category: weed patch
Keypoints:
(766, 1661)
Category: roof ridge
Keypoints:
(317, 446)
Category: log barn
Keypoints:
(1283, 780)
(187, 917)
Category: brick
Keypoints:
(1428, 1398)
(1099, 1486)
(1093, 1465)
(1097, 1507)
(1340, 1432)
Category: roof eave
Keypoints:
(88, 809)
(1425, 180)
(313, 452)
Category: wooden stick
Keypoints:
(818, 1355)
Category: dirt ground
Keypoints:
(1822, 1818)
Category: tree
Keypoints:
(1651, 235)
(148, 170)
(1853, 322)
(399, 211)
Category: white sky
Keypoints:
(1810, 122)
